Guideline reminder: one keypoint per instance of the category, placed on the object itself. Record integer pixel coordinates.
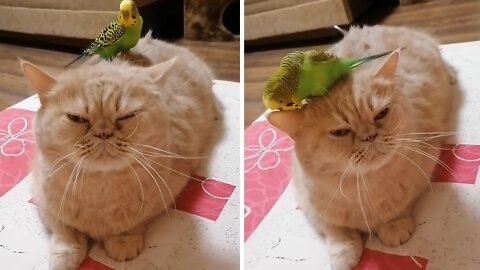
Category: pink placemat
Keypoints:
(204, 198)
(267, 171)
(377, 260)
(16, 147)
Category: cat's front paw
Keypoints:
(66, 254)
(396, 232)
(346, 255)
(124, 247)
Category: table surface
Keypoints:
(204, 234)
(277, 235)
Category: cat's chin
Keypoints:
(105, 163)
(376, 160)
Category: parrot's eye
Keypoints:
(340, 132)
(76, 118)
(382, 114)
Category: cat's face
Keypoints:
(356, 127)
(99, 118)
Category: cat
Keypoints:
(115, 143)
(364, 152)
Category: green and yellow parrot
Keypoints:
(120, 35)
(306, 74)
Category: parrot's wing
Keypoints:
(321, 56)
(109, 36)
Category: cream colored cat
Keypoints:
(365, 151)
(113, 146)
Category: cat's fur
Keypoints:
(101, 199)
(366, 181)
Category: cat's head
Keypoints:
(97, 115)
(355, 126)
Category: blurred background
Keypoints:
(274, 28)
(51, 33)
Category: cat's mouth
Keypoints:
(376, 156)
(378, 150)
(105, 152)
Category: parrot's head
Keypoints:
(128, 15)
(281, 90)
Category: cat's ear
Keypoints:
(287, 121)
(387, 70)
(157, 71)
(41, 81)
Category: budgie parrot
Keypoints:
(306, 74)
(120, 35)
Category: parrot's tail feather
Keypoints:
(74, 60)
(341, 30)
(370, 58)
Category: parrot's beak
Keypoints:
(125, 14)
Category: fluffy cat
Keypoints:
(113, 145)
(365, 151)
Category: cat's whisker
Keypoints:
(339, 190)
(425, 145)
(161, 178)
(139, 183)
(367, 192)
(343, 177)
(361, 206)
(156, 149)
(423, 139)
(399, 122)
(81, 179)
(150, 154)
(60, 159)
(423, 136)
(173, 170)
(368, 200)
(418, 166)
(135, 129)
(153, 154)
(163, 152)
(154, 180)
(59, 168)
(395, 128)
(72, 198)
(416, 141)
(65, 193)
(330, 201)
(428, 133)
(430, 156)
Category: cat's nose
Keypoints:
(103, 129)
(370, 137)
(103, 135)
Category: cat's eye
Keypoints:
(76, 118)
(382, 114)
(340, 132)
(130, 115)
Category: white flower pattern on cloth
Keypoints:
(465, 155)
(266, 154)
(10, 137)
